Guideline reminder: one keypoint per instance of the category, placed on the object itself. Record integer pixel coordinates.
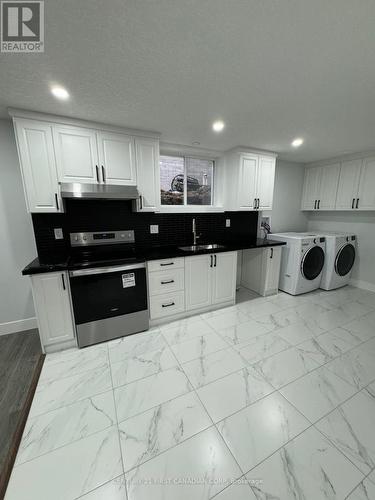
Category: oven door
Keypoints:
(101, 293)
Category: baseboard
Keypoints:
(18, 326)
(365, 285)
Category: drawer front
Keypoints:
(163, 265)
(167, 304)
(166, 281)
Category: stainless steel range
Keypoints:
(108, 286)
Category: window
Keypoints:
(186, 181)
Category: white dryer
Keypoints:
(302, 261)
(340, 257)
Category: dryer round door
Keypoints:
(312, 263)
(345, 259)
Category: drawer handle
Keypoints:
(356, 205)
(168, 305)
(167, 264)
(167, 282)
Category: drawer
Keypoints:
(160, 282)
(162, 265)
(167, 304)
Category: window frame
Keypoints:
(185, 207)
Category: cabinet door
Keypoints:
(347, 190)
(265, 182)
(366, 192)
(224, 277)
(198, 277)
(37, 159)
(76, 154)
(311, 188)
(116, 158)
(51, 298)
(148, 174)
(272, 260)
(247, 182)
(329, 181)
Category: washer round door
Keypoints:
(312, 263)
(345, 259)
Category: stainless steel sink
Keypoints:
(197, 248)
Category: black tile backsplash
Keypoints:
(174, 229)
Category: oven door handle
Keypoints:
(105, 270)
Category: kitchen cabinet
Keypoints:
(347, 185)
(249, 180)
(38, 166)
(53, 310)
(210, 279)
(148, 174)
(76, 154)
(116, 158)
(320, 187)
(261, 270)
(366, 191)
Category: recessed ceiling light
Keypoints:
(60, 92)
(218, 126)
(297, 142)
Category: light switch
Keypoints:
(227, 222)
(58, 233)
(154, 229)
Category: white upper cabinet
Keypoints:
(265, 182)
(116, 158)
(247, 182)
(329, 180)
(38, 167)
(311, 188)
(76, 154)
(148, 174)
(366, 192)
(348, 184)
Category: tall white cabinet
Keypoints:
(148, 174)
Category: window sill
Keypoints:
(189, 209)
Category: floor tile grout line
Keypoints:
(100, 486)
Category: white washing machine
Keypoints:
(340, 257)
(302, 261)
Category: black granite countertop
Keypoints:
(156, 253)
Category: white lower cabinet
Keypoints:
(53, 310)
(210, 279)
(261, 270)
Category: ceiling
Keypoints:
(271, 69)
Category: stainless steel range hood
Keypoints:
(98, 191)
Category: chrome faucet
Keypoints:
(195, 235)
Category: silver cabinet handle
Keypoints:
(315, 205)
(57, 202)
(255, 203)
(318, 204)
(215, 260)
(140, 202)
(168, 305)
(103, 174)
(210, 260)
(63, 282)
(258, 203)
(271, 256)
(356, 205)
(166, 282)
(353, 202)
(97, 173)
(167, 264)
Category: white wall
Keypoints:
(361, 224)
(17, 246)
(286, 212)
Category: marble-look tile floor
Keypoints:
(273, 398)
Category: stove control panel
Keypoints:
(102, 238)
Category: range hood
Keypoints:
(98, 191)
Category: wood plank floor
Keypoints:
(21, 361)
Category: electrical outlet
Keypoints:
(154, 229)
(58, 233)
(227, 222)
